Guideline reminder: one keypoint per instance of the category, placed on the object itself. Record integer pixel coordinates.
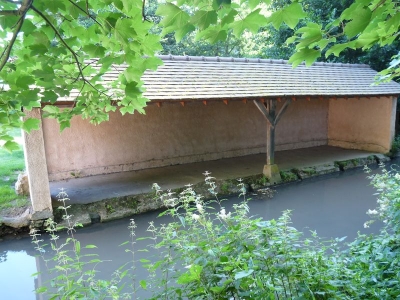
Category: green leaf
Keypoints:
(204, 18)
(367, 40)
(212, 35)
(11, 146)
(361, 19)
(94, 51)
(64, 124)
(243, 274)
(229, 18)
(222, 2)
(336, 49)
(132, 90)
(174, 18)
(143, 284)
(77, 247)
(252, 22)
(253, 3)
(90, 246)
(55, 5)
(49, 96)
(305, 54)
(51, 109)
(310, 34)
(31, 124)
(24, 81)
(290, 15)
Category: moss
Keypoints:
(225, 187)
(309, 171)
(288, 176)
(341, 164)
(132, 202)
(258, 180)
(109, 208)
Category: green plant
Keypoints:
(210, 251)
(74, 274)
(11, 165)
(208, 254)
(288, 176)
(109, 208)
(263, 180)
(395, 146)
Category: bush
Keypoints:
(209, 251)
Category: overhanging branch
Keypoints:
(10, 13)
(25, 6)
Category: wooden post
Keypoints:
(268, 109)
(271, 109)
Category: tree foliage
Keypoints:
(61, 49)
(48, 52)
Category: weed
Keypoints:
(288, 176)
(11, 165)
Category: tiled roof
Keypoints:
(191, 77)
(202, 78)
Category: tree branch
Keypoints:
(11, 1)
(25, 6)
(86, 12)
(75, 56)
(61, 40)
(10, 13)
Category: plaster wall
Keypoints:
(172, 134)
(362, 123)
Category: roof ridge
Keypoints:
(171, 57)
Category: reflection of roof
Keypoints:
(202, 78)
(188, 77)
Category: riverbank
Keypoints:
(143, 200)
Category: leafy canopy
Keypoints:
(55, 50)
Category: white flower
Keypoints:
(223, 215)
(372, 212)
(397, 176)
(195, 217)
(366, 225)
(200, 207)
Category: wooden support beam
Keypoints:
(244, 101)
(282, 110)
(182, 103)
(263, 109)
(159, 104)
(225, 101)
(268, 109)
(205, 102)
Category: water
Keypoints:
(333, 205)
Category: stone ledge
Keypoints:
(126, 206)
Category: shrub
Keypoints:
(210, 251)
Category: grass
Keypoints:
(11, 164)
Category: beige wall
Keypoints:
(173, 134)
(365, 123)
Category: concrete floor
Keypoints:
(100, 187)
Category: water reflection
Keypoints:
(334, 206)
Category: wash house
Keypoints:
(209, 108)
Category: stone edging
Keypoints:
(125, 206)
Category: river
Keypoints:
(332, 205)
